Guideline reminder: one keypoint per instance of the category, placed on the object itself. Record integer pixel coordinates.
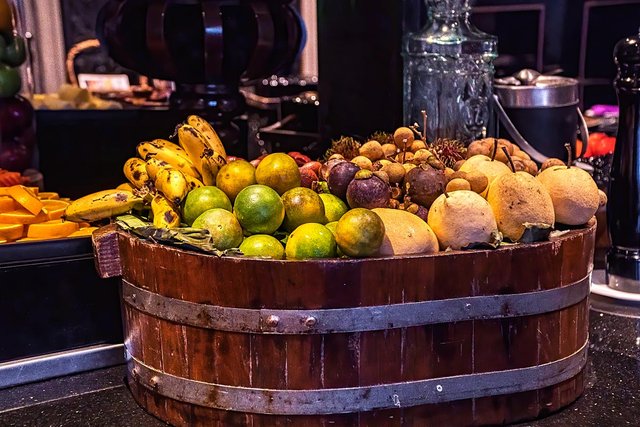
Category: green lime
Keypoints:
(235, 176)
(311, 241)
(223, 226)
(10, 82)
(259, 210)
(334, 207)
(201, 200)
(278, 171)
(263, 246)
(332, 226)
(301, 206)
(360, 232)
(15, 52)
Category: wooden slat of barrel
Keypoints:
(353, 359)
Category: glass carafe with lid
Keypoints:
(448, 72)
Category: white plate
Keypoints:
(599, 287)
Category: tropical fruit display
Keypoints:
(27, 214)
(394, 194)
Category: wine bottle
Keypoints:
(623, 207)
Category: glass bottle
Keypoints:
(448, 72)
(623, 207)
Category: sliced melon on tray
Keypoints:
(22, 216)
(7, 204)
(54, 208)
(52, 229)
(10, 232)
(26, 198)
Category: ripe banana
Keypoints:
(165, 215)
(211, 164)
(193, 182)
(173, 184)
(154, 165)
(177, 161)
(136, 172)
(209, 133)
(101, 205)
(144, 148)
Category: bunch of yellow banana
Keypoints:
(102, 205)
(169, 153)
(165, 215)
(204, 148)
(172, 184)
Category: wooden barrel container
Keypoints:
(463, 338)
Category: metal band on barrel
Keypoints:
(356, 319)
(358, 399)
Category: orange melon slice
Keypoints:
(83, 232)
(26, 198)
(11, 231)
(48, 195)
(7, 204)
(52, 229)
(29, 239)
(54, 208)
(22, 216)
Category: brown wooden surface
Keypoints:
(358, 359)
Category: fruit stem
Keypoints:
(506, 153)
(567, 147)
(424, 125)
(444, 191)
(495, 149)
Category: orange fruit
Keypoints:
(259, 210)
(86, 231)
(52, 229)
(334, 207)
(223, 227)
(360, 232)
(262, 246)
(278, 171)
(7, 204)
(22, 216)
(235, 176)
(301, 206)
(11, 231)
(201, 200)
(311, 241)
(54, 208)
(26, 198)
(48, 195)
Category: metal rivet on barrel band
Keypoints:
(272, 321)
(362, 399)
(354, 319)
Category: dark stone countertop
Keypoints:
(100, 398)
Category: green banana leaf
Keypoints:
(184, 238)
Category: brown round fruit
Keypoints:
(339, 178)
(552, 162)
(458, 184)
(372, 150)
(363, 162)
(395, 171)
(404, 157)
(417, 145)
(368, 191)
(389, 150)
(403, 137)
(424, 184)
(422, 155)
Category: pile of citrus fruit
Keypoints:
(27, 215)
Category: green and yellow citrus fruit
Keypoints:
(301, 206)
(334, 207)
(262, 246)
(278, 171)
(201, 200)
(360, 232)
(235, 176)
(223, 226)
(259, 210)
(311, 241)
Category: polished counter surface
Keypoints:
(101, 398)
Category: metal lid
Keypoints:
(536, 91)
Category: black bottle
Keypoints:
(623, 208)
